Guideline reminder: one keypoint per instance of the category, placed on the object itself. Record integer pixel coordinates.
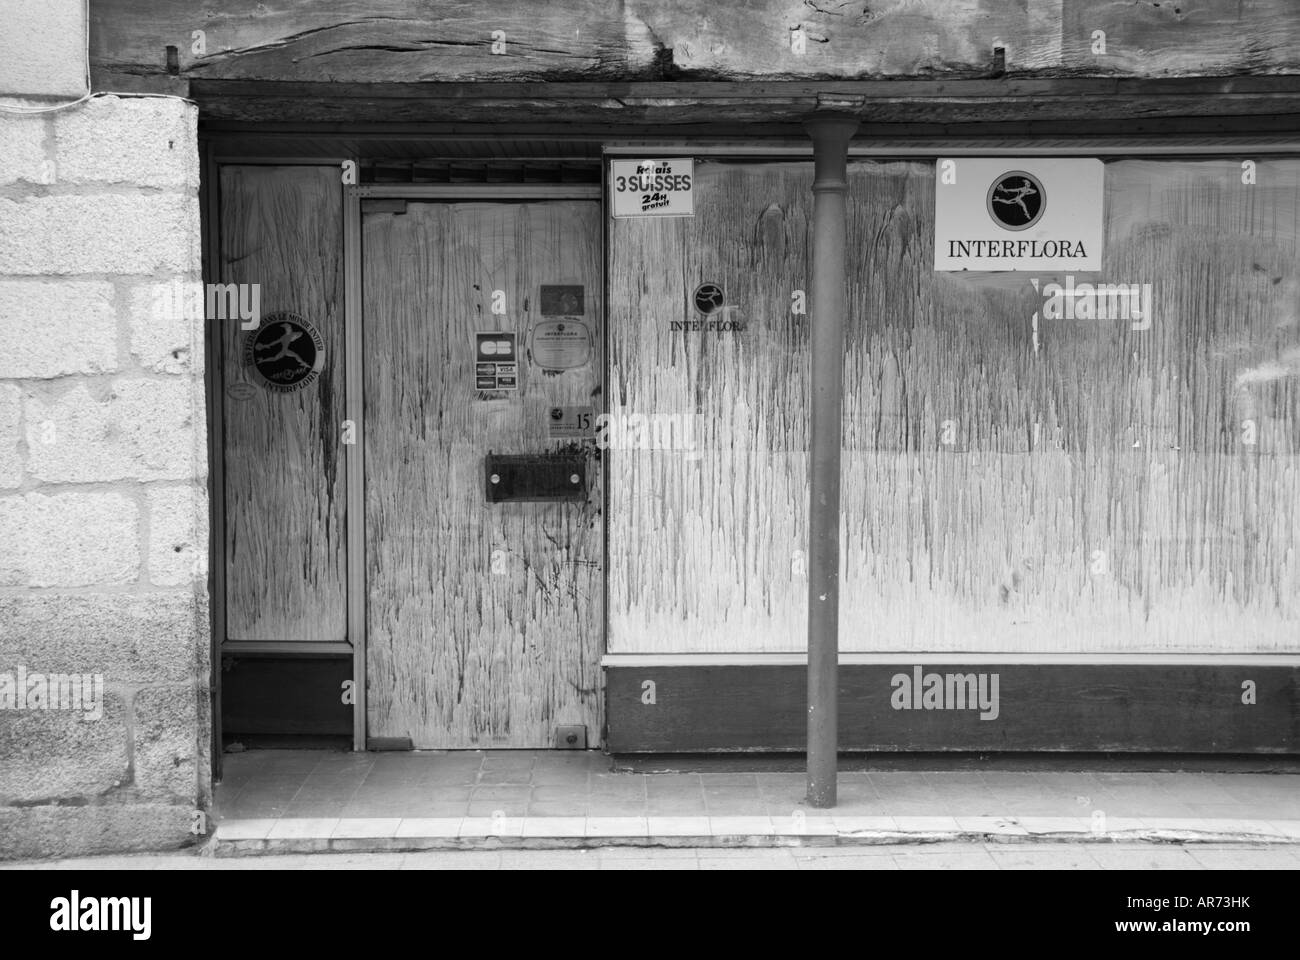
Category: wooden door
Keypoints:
(484, 620)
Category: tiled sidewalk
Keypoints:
(301, 801)
(919, 856)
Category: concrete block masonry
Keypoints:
(64, 831)
(10, 418)
(166, 751)
(177, 537)
(163, 341)
(141, 430)
(69, 540)
(103, 503)
(99, 233)
(22, 151)
(146, 143)
(52, 754)
(43, 48)
(55, 328)
(133, 638)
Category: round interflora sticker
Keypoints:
(1016, 200)
(708, 298)
(285, 353)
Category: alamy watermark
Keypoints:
(82, 692)
(215, 301)
(1095, 301)
(946, 691)
(651, 431)
(76, 913)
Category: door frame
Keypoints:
(354, 378)
(212, 161)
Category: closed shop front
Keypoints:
(644, 378)
(1070, 497)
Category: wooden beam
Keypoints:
(1180, 37)
(562, 105)
(373, 41)
(299, 143)
(704, 90)
(381, 41)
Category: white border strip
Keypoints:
(936, 657)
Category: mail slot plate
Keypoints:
(513, 477)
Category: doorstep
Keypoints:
(235, 837)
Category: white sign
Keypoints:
(1018, 213)
(652, 188)
(560, 344)
(571, 423)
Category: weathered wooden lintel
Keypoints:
(394, 40)
(674, 104)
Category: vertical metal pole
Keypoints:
(354, 464)
(829, 302)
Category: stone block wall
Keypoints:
(43, 48)
(103, 504)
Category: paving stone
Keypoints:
(1244, 858)
(855, 862)
(975, 859)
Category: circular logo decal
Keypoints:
(285, 352)
(1016, 200)
(708, 298)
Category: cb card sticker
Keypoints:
(496, 361)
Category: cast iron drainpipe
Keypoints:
(830, 134)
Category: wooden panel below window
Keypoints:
(1069, 707)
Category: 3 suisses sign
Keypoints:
(1018, 213)
(652, 188)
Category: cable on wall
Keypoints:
(89, 94)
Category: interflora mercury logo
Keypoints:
(286, 352)
(75, 913)
(1016, 200)
(84, 692)
(708, 298)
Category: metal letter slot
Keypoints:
(555, 476)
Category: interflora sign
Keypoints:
(285, 353)
(653, 188)
(1018, 213)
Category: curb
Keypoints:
(241, 839)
